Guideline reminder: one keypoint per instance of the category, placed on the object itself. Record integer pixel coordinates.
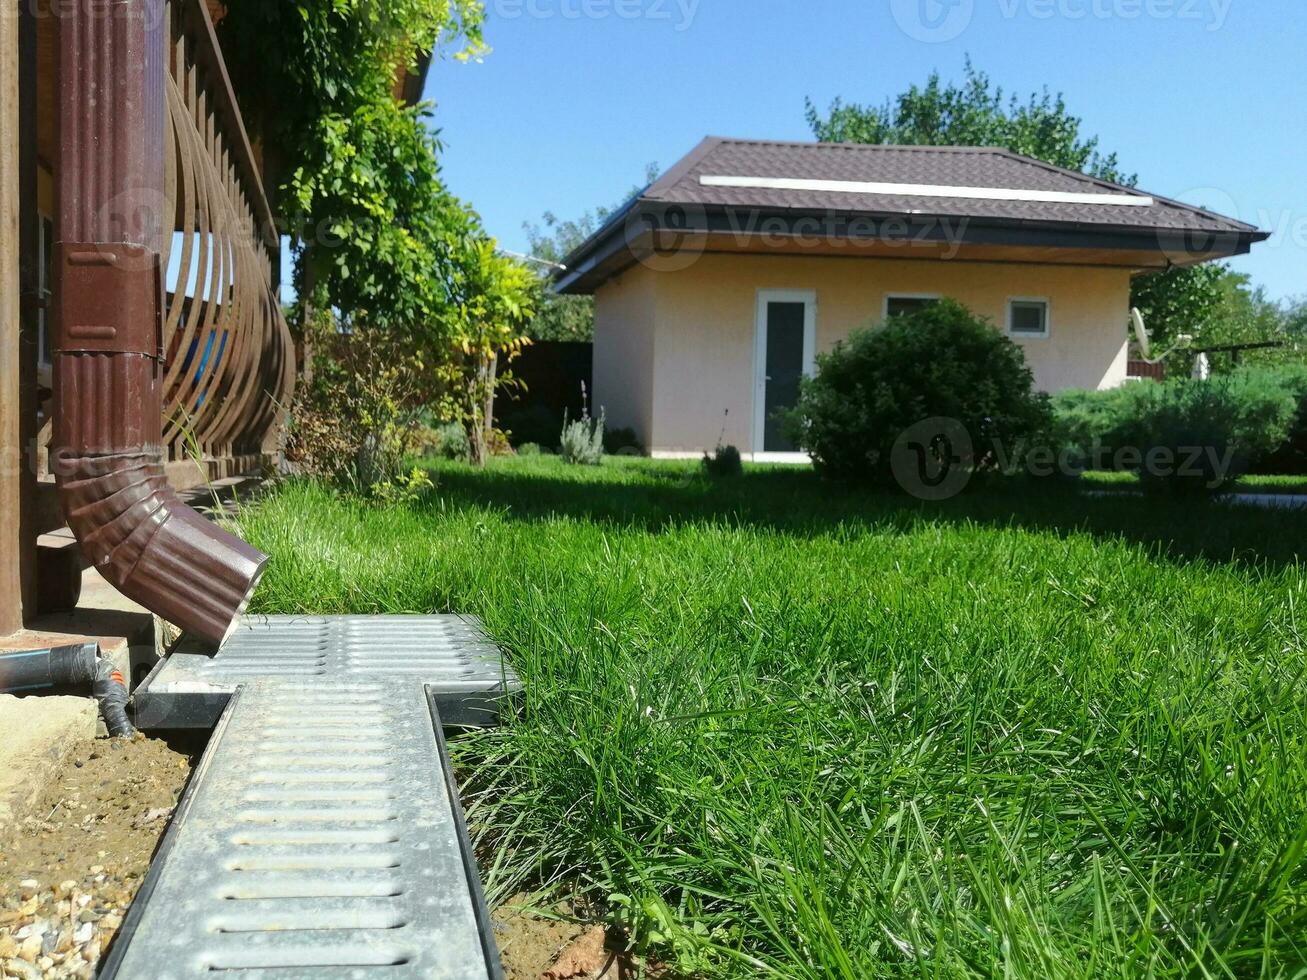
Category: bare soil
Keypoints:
(552, 944)
(69, 872)
(529, 943)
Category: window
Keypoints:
(1027, 317)
(901, 303)
(45, 258)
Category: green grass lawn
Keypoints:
(775, 725)
(1253, 483)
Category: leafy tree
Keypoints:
(569, 317)
(372, 224)
(495, 297)
(973, 113)
(296, 63)
(381, 228)
(1178, 301)
(976, 112)
(398, 282)
(1245, 315)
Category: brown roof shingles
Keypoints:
(1170, 230)
(955, 166)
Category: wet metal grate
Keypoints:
(320, 835)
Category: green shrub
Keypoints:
(623, 442)
(938, 362)
(1197, 436)
(723, 463)
(531, 449)
(582, 441)
(1086, 426)
(1290, 458)
(1252, 419)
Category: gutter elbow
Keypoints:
(152, 547)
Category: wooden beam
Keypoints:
(30, 82)
(11, 456)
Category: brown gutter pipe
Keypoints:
(109, 351)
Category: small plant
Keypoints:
(723, 463)
(530, 449)
(355, 422)
(582, 441)
(403, 489)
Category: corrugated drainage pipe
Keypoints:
(74, 666)
(108, 453)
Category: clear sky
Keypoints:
(1205, 99)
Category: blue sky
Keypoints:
(1205, 99)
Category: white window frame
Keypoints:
(1048, 317)
(890, 297)
(808, 297)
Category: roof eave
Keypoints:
(600, 258)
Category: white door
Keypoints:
(785, 344)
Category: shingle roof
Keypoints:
(981, 197)
(951, 166)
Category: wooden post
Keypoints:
(11, 450)
(29, 262)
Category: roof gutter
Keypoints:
(108, 454)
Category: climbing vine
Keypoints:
(381, 245)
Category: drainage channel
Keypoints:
(321, 834)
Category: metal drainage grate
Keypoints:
(320, 836)
(463, 668)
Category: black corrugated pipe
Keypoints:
(77, 665)
(108, 453)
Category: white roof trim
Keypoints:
(926, 190)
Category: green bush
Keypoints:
(531, 449)
(1252, 419)
(939, 362)
(1086, 426)
(1198, 436)
(1290, 458)
(723, 463)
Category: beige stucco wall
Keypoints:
(624, 351)
(695, 328)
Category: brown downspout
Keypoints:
(108, 355)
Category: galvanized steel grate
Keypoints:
(464, 669)
(320, 836)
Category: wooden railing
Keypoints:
(231, 361)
